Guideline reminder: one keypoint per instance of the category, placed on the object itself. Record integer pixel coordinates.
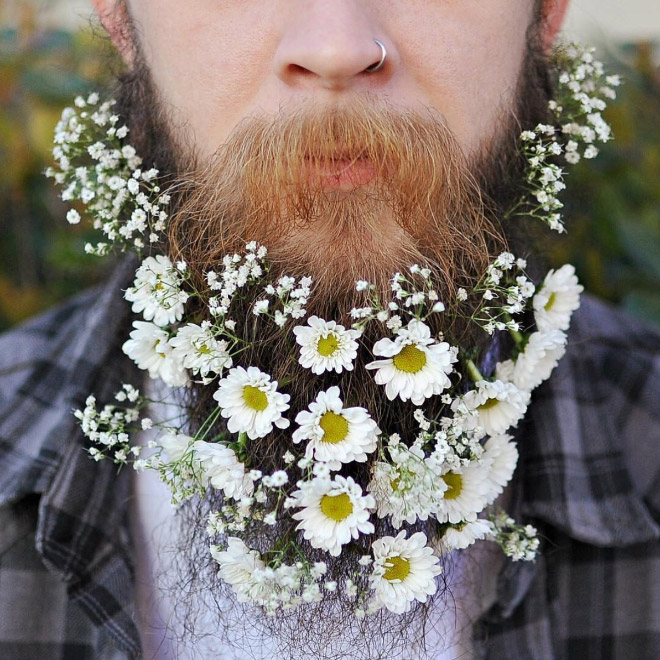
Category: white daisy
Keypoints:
(465, 496)
(237, 566)
(404, 571)
(462, 535)
(221, 469)
(501, 456)
(336, 434)
(535, 364)
(557, 299)
(156, 292)
(332, 512)
(493, 407)
(416, 366)
(149, 347)
(174, 444)
(199, 350)
(250, 401)
(325, 345)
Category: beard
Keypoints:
(427, 203)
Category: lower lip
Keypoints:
(342, 174)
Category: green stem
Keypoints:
(473, 372)
(517, 336)
(206, 427)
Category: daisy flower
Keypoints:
(415, 366)
(501, 455)
(465, 494)
(336, 434)
(326, 346)
(535, 364)
(156, 292)
(250, 401)
(199, 350)
(221, 469)
(462, 535)
(404, 571)
(493, 407)
(557, 299)
(174, 444)
(149, 348)
(237, 567)
(332, 512)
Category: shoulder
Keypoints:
(614, 360)
(40, 339)
(590, 454)
(48, 366)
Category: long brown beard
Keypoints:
(428, 205)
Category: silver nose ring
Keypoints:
(379, 65)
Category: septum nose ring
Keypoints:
(379, 65)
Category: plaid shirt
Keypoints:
(588, 478)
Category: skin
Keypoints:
(216, 62)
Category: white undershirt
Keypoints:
(472, 585)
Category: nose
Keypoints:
(330, 44)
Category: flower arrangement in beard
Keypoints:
(462, 454)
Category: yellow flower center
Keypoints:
(398, 570)
(551, 301)
(204, 349)
(337, 507)
(454, 485)
(410, 359)
(254, 398)
(335, 427)
(488, 404)
(327, 345)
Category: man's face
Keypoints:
(216, 63)
(410, 140)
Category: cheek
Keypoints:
(468, 67)
(208, 62)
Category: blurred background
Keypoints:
(51, 50)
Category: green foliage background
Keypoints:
(613, 203)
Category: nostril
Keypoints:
(297, 70)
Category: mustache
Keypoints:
(422, 205)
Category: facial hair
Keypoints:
(428, 204)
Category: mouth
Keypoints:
(341, 172)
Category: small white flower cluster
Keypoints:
(582, 93)
(289, 298)
(519, 542)
(238, 272)
(96, 167)
(283, 586)
(504, 293)
(414, 296)
(110, 428)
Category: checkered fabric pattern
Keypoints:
(588, 478)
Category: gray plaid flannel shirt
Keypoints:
(588, 478)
